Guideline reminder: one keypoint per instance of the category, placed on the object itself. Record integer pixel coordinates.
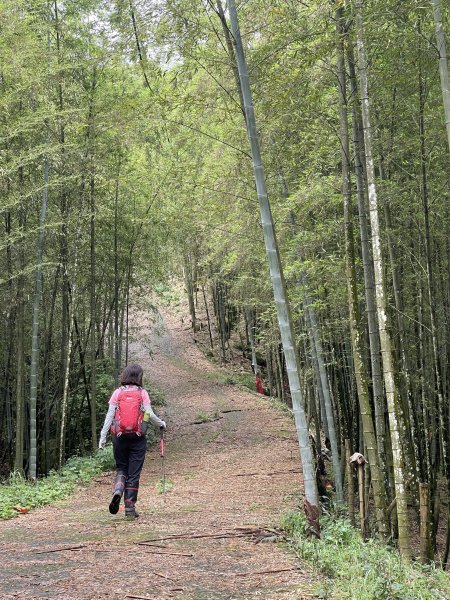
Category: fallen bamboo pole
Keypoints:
(60, 549)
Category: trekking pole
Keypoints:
(161, 453)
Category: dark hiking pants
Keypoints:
(129, 452)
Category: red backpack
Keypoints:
(129, 414)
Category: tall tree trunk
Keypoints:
(393, 400)
(189, 261)
(127, 310)
(442, 406)
(318, 378)
(47, 367)
(369, 284)
(410, 437)
(139, 47)
(279, 287)
(231, 53)
(72, 322)
(20, 356)
(10, 328)
(20, 379)
(430, 272)
(93, 308)
(279, 372)
(312, 403)
(65, 397)
(315, 336)
(318, 354)
(268, 354)
(251, 326)
(32, 464)
(116, 276)
(208, 318)
(357, 348)
(220, 317)
(63, 237)
(443, 66)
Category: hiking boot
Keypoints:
(130, 497)
(119, 486)
(115, 503)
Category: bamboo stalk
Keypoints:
(362, 511)
(350, 489)
(390, 384)
(278, 283)
(424, 523)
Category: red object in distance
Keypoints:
(259, 385)
(22, 510)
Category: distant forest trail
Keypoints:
(232, 466)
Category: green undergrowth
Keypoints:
(164, 486)
(280, 406)
(168, 295)
(19, 495)
(157, 395)
(228, 377)
(204, 418)
(357, 570)
(247, 380)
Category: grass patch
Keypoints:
(280, 406)
(204, 418)
(168, 295)
(164, 486)
(157, 395)
(229, 378)
(357, 570)
(246, 380)
(18, 494)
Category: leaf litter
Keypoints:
(215, 522)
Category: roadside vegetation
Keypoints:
(358, 570)
(19, 495)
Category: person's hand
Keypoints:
(163, 426)
(102, 444)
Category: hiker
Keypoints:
(128, 416)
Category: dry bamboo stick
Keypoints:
(163, 576)
(266, 572)
(60, 549)
(168, 553)
(266, 474)
(187, 536)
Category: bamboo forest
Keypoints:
(259, 187)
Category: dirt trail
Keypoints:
(240, 468)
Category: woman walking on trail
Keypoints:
(128, 416)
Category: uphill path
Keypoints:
(231, 468)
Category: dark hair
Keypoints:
(132, 375)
